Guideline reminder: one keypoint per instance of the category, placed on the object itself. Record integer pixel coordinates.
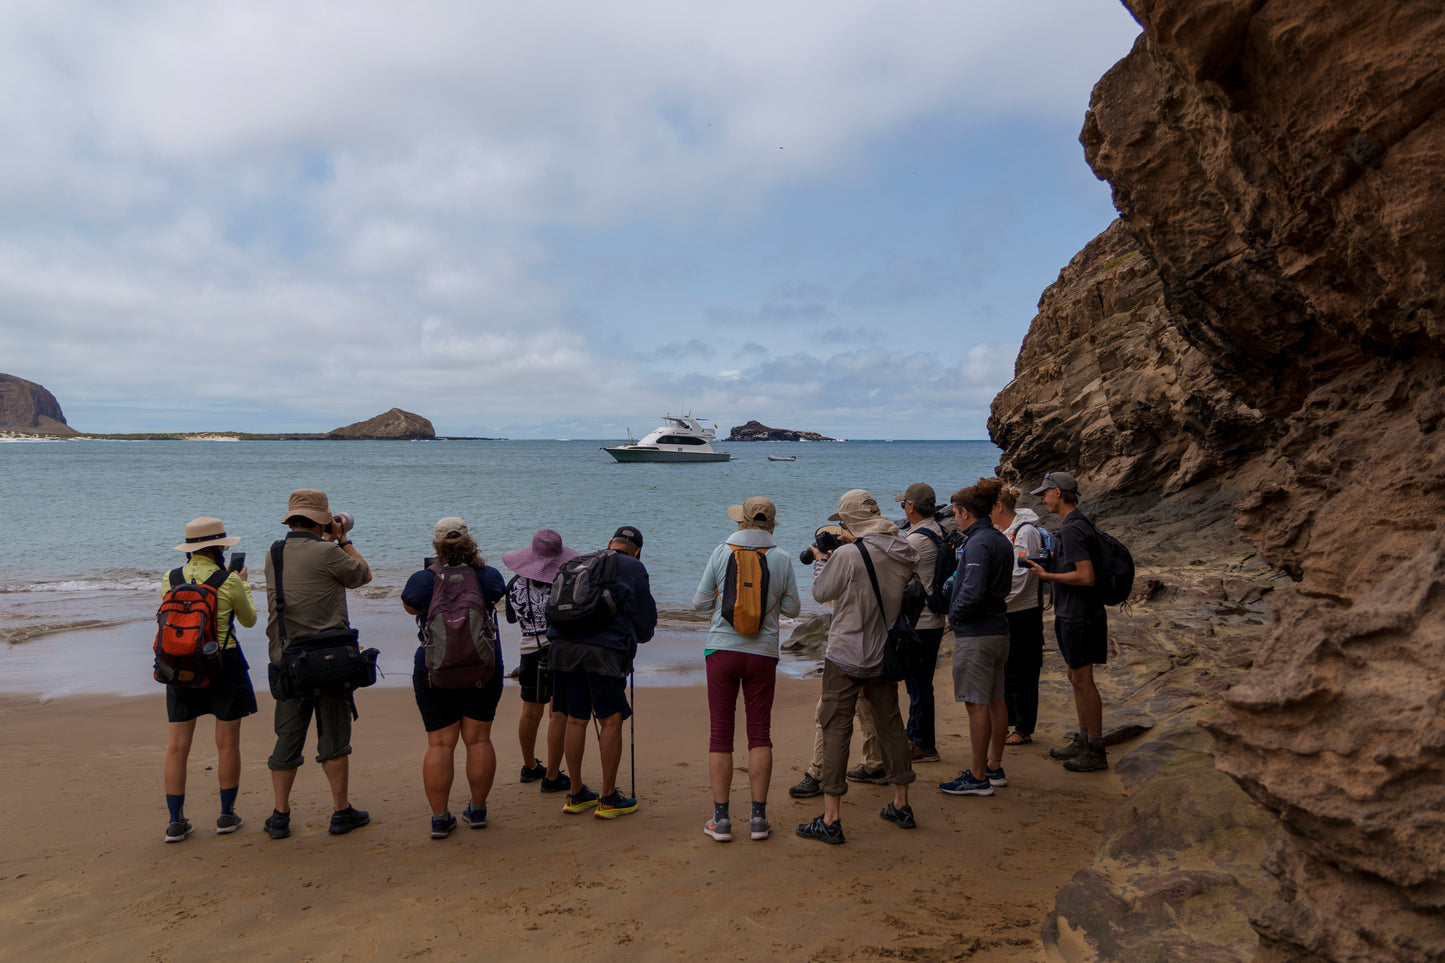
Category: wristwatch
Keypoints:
(343, 544)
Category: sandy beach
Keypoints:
(84, 874)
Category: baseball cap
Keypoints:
(921, 495)
(629, 534)
(1061, 480)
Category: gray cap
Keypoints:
(922, 497)
(1061, 480)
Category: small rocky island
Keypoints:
(26, 406)
(757, 431)
(393, 425)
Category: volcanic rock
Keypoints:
(757, 431)
(26, 406)
(1254, 351)
(393, 425)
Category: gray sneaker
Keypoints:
(178, 830)
(1089, 760)
(228, 823)
(1068, 751)
(720, 829)
(760, 827)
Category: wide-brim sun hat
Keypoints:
(859, 511)
(543, 559)
(309, 503)
(206, 532)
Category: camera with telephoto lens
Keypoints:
(1042, 561)
(346, 520)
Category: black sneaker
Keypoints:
(830, 833)
(1075, 746)
(345, 820)
(228, 823)
(178, 830)
(877, 777)
(561, 784)
(278, 824)
(806, 789)
(1090, 760)
(902, 818)
(534, 772)
(476, 815)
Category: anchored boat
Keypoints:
(680, 438)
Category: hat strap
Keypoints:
(205, 538)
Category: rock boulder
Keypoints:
(26, 406)
(757, 431)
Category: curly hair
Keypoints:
(458, 551)
(979, 498)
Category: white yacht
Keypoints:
(680, 438)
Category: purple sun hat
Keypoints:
(541, 560)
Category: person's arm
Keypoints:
(707, 590)
(643, 608)
(969, 588)
(829, 578)
(790, 604)
(416, 596)
(1081, 577)
(494, 588)
(238, 593)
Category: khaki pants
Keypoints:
(842, 697)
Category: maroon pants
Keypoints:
(756, 676)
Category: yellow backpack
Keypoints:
(745, 589)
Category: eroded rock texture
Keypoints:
(389, 425)
(1280, 169)
(26, 406)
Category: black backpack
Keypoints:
(584, 593)
(1113, 569)
(945, 562)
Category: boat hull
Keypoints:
(624, 453)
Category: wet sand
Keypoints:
(84, 874)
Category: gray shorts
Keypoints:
(978, 664)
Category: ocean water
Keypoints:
(88, 527)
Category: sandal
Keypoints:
(1017, 738)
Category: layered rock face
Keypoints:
(1280, 169)
(389, 425)
(26, 406)
(757, 431)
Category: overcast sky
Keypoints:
(554, 219)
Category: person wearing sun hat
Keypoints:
(747, 663)
(853, 658)
(536, 566)
(230, 700)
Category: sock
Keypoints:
(1083, 734)
(760, 810)
(228, 800)
(719, 811)
(175, 804)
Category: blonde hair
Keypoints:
(1009, 496)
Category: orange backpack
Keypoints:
(186, 649)
(745, 589)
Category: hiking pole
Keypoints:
(632, 732)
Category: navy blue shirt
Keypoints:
(1077, 543)
(417, 595)
(608, 651)
(984, 579)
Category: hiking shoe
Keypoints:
(580, 801)
(178, 830)
(759, 827)
(476, 815)
(560, 784)
(537, 770)
(227, 823)
(921, 754)
(1074, 746)
(877, 777)
(966, 785)
(1090, 760)
(902, 818)
(720, 829)
(995, 777)
(610, 807)
(442, 825)
(830, 833)
(278, 824)
(345, 820)
(806, 789)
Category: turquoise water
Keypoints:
(87, 527)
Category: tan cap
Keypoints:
(449, 528)
(921, 495)
(859, 511)
(309, 503)
(205, 532)
(756, 512)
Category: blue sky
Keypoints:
(558, 219)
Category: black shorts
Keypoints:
(582, 695)
(445, 707)
(535, 677)
(228, 699)
(1082, 643)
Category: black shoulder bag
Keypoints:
(329, 662)
(902, 649)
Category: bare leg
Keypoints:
(980, 731)
(338, 775)
(438, 767)
(281, 782)
(832, 808)
(760, 772)
(574, 747)
(481, 758)
(998, 718)
(609, 746)
(720, 770)
(178, 750)
(556, 735)
(228, 753)
(1088, 704)
(527, 725)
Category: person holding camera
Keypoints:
(230, 699)
(1025, 616)
(319, 563)
(977, 615)
(926, 537)
(536, 566)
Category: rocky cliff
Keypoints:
(1256, 344)
(26, 406)
(389, 425)
(757, 431)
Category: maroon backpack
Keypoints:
(461, 630)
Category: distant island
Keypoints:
(757, 431)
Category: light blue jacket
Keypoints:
(782, 597)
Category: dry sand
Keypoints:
(84, 874)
